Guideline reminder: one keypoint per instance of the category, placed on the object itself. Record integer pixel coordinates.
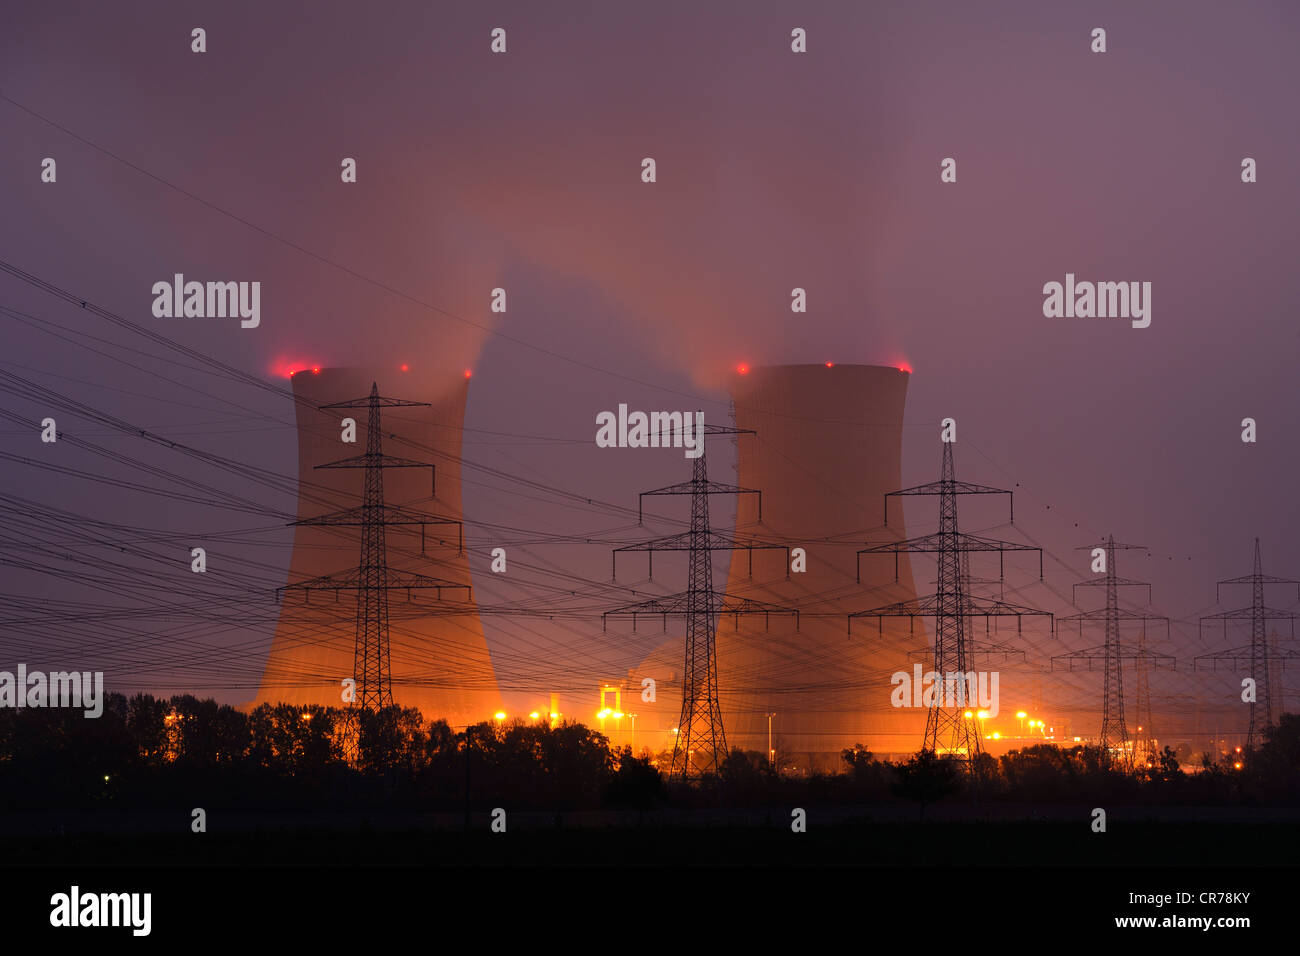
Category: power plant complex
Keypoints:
(767, 662)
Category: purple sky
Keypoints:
(775, 170)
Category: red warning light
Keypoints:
(905, 368)
(830, 364)
(468, 373)
(742, 368)
(405, 367)
(288, 368)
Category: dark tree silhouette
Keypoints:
(635, 784)
(145, 718)
(927, 778)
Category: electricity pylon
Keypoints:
(1146, 751)
(1114, 729)
(372, 579)
(700, 743)
(1256, 654)
(950, 726)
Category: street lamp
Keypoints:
(1021, 715)
(771, 754)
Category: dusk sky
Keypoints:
(775, 170)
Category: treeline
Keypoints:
(146, 752)
(1043, 773)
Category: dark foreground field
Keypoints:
(837, 837)
(718, 876)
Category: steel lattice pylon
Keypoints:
(1145, 749)
(372, 667)
(700, 745)
(949, 728)
(1257, 654)
(700, 725)
(1114, 728)
(944, 726)
(373, 579)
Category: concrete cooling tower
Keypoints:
(439, 663)
(827, 450)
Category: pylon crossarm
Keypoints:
(388, 515)
(375, 460)
(1248, 613)
(1102, 615)
(711, 429)
(1101, 582)
(1265, 579)
(1101, 653)
(970, 606)
(950, 486)
(1261, 578)
(954, 486)
(376, 399)
(944, 543)
(680, 605)
(958, 541)
(351, 580)
(1246, 655)
(707, 487)
(706, 541)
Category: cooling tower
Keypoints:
(439, 663)
(827, 450)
